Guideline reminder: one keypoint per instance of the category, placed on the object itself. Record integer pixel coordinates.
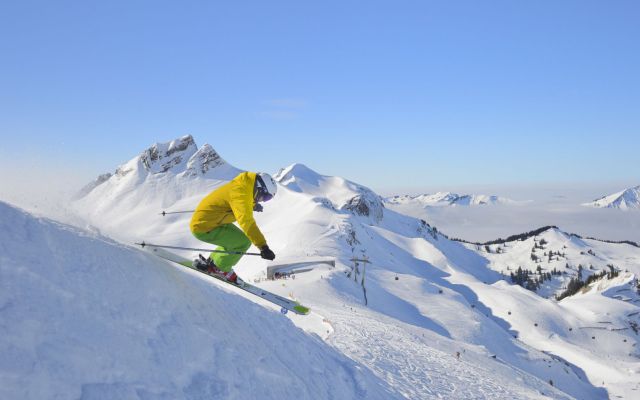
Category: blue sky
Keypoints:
(394, 94)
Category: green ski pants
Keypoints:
(227, 237)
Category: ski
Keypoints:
(283, 302)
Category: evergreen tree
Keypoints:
(579, 271)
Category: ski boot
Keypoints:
(207, 266)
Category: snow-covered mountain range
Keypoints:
(624, 200)
(546, 206)
(442, 199)
(473, 332)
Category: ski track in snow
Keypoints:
(418, 370)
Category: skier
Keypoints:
(212, 222)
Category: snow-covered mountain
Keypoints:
(564, 255)
(474, 334)
(165, 174)
(624, 200)
(341, 193)
(180, 157)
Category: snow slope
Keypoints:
(84, 317)
(596, 329)
(623, 200)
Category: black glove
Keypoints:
(266, 253)
(257, 207)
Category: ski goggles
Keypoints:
(263, 196)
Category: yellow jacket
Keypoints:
(231, 202)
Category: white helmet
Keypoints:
(266, 187)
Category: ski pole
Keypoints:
(143, 244)
(163, 213)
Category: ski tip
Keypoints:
(300, 309)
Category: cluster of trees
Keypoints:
(550, 254)
(576, 283)
(487, 248)
(540, 244)
(591, 252)
(634, 244)
(527, 235)
(530, 280)
(513, 238)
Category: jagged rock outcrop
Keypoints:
(366, 204)
(204, 160)
(162, 157)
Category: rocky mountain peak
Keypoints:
(162, 157)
